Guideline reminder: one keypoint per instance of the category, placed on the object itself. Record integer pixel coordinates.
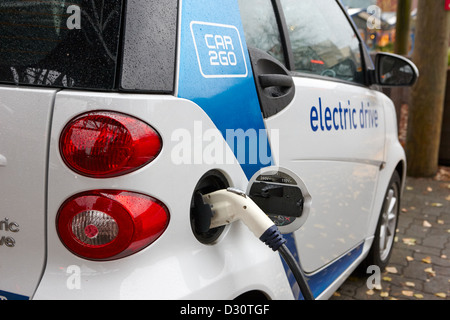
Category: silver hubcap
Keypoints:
(388, 222)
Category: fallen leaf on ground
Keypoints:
(392, 270)
(418, 295)
(388, 279)
(437, 204)
(409, 258)
(426, 260)
(409, 188)
(430, 271)
(441, 295)
(407, 293)
(370, 292)
(426, 224)
(429, 189)
(384, 294)
(409, 241)
(410, 284)
(441, 221)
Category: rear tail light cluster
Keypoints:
(107, 144)
(109, 224)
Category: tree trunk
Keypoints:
(402, 32)
(427, 103)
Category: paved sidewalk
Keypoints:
(419, 268)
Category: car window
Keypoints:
(322, 39)
(149, 46)
(60, 43)
(261, 28)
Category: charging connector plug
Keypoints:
(232, 205)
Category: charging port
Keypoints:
(200, 213)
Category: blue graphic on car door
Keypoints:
(215, 73)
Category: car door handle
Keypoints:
(275, 80)
(275, 86)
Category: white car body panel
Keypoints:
(341, 180)
(176, 264)
(24, 129)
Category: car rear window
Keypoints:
(72, 44)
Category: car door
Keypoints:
(310, 74)
(214, 72)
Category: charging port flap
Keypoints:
(282, 196)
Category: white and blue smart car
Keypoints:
(119, 118)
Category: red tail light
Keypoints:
(107, 224)
(108, 144)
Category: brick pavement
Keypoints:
(419, 268)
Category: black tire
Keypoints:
(383, 243)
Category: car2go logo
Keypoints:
(219, 49)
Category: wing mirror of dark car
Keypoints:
(392, 70)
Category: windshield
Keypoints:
(70, 44)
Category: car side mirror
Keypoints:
(392, 70)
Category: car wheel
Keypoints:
(383, 243)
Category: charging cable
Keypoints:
(231, 205)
